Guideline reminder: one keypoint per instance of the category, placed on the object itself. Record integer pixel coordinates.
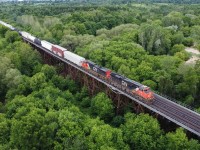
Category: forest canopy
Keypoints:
(40, 109)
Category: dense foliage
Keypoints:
(143, 42)
(103, 2)
(41, 110)
(166, 1)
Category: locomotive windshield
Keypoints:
(147, 90)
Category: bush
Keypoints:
(188, 42)
(102, 106)
(177, 48)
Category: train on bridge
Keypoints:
(134, 88)
(137, 92)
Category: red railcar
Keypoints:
(58, 50)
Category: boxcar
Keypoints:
(76, 59)
(46, 45)
(58, 50)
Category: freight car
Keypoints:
(46, 45)
(58, 50)
(27, 36)
(24, 34)
(76, 59)
(30, 37)
(7, 25)
(37, 41)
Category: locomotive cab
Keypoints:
(145, 89)
(144, 92)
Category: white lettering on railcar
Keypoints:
(124, 83)
(95, 69)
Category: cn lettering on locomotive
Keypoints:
(124, 83)
(95, 69)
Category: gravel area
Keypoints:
(192, 50)
(194, 58)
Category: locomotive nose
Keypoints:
(151, 95)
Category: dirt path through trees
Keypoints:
(194, 56)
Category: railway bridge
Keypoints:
(161, 107)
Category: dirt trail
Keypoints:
(194, 57)
(192, 50)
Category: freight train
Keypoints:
(131, 87)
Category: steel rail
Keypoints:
(184, 112)
(179, 115)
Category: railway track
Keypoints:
(189, 113)
(173, 109)
(184, 116)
